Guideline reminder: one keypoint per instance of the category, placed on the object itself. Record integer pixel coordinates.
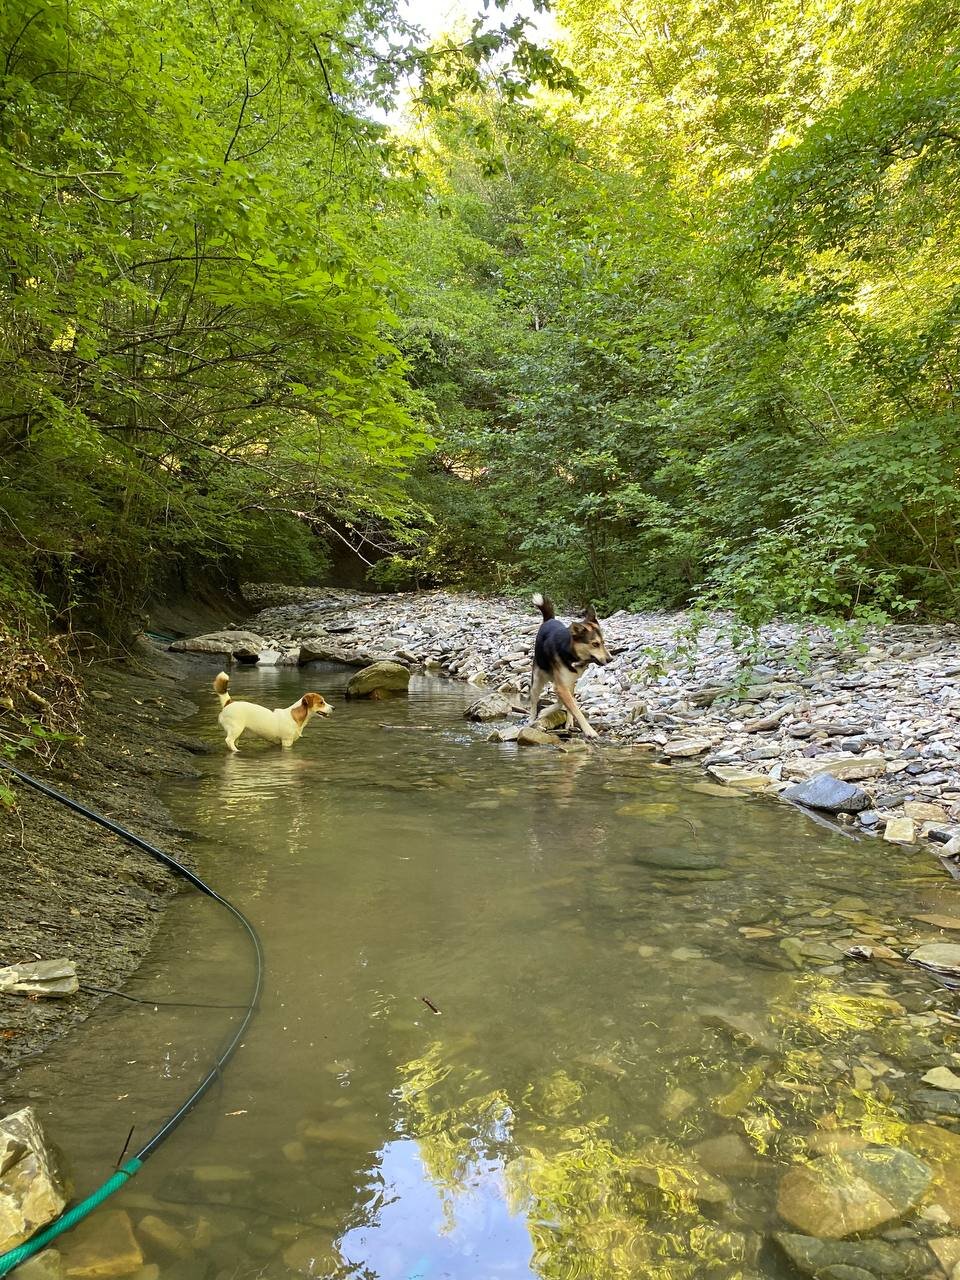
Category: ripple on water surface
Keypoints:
(645, 1012)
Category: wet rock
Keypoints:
(942, 1078)
(31, 1188)
(680, 748)
(245, 646)
(947, 1250)
(842, 1195)
(744, 1027)
(729, 1156)
(531, 736)
(874, 1257)
(677, 1102)
(828, 793)
(846, 768)
(510, 734)
(942, 957)
(675, 860)
(163, 1236)
(900, 831)
(320, 649)
(221, 1173)
(554, 717)
(102, 1247)
(379, 680)
(314, 1254)
(492, 706)
(740, 778)
(46, 1265)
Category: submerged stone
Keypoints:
(103, 1247)
(846, 1194)
(675, 860)
(875, 1257)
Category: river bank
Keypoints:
(69, 889)
(884, 715)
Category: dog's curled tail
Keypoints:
(545, 605)
(221, 684)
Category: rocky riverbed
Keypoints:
(882, 718)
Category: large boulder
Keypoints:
(849, 1193)
(245, 646)
(379, 680)
(31, 1188)
(828, 793)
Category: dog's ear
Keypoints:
(590, 615)
(305, 701)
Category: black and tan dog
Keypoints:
(561, 655)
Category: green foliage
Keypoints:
(694, 335)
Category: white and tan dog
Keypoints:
(283, 725)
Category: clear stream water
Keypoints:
(625, 963)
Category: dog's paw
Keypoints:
(590, 732)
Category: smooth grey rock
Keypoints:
(245, 646)
(379, 680)
(828, 793)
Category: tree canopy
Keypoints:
(665, 314)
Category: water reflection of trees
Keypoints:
(605, 1198)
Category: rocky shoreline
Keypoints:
(882, 719)
(70, 890)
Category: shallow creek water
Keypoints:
(626, 963)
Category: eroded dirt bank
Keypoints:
(69, 888)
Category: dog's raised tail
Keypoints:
(545, 605)
(221, 684)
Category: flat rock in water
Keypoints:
(683, 747)
(675, 860)
(31, 1189)
(492, 706)
(103, 1247)
(846, 768)
(942, 956)
(846, 1194)
(244, 645)
(941, 1078)
(832, 795)
(729, 1156)
(875, 1257)
(314, 1254)
(733, 776)
(380, 679)
(531, 736)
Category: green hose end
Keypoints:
(13, 1257)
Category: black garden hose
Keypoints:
(13, 1257)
